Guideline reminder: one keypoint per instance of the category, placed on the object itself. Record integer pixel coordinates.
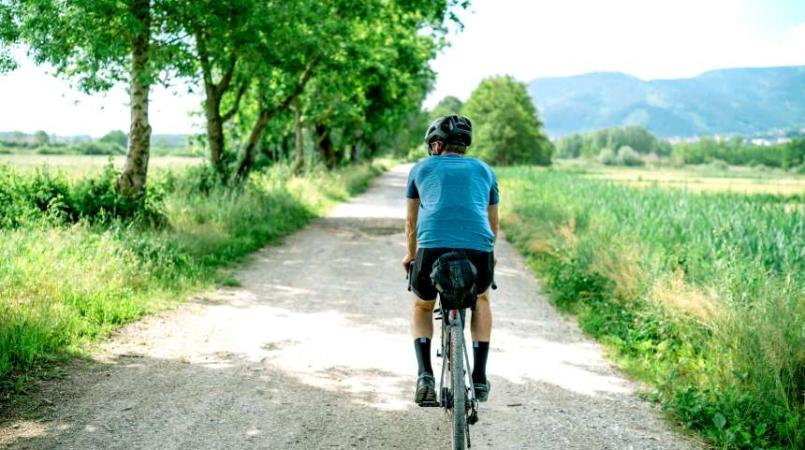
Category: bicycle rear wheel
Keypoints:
(459, 389)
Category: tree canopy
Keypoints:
(447, 106)
(506, 126)
(341, 74)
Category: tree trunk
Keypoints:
(255, 136)
(355, 151)
(132, 181)
(212, 103)
(298, 159)
(266, 113)
(325, 145)
(215, 127)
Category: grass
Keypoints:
(700, 295)
(701, 178)
(63, 286)
(77, 166)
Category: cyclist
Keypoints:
(452, 203)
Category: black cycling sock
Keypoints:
(422, 347)
(480, 352)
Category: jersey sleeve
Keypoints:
(494, 193)
(411, 190)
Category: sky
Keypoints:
(648, 39)
(524, 38)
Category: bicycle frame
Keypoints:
(455, 318)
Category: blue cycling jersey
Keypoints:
(455, 192)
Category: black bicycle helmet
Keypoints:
(450, 130)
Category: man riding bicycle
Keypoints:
(452, 204)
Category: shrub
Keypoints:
(628, 157)
(48, 196)
(100, 148)
(719, 165)
(607, 156)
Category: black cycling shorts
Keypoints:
(421, 284)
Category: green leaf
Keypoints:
(719, 421)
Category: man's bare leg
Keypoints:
(481, 330)
(422, 318)
(481, 323)
(422, 332)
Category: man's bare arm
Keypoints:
(492, 212)
(411, 215)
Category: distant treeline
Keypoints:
(589, 145)
(634, 145)
(112, 143)
(740, 153)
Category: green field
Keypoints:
(75, 166)
(702, 295)
(701, 178)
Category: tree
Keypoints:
(507, 129)
(446, 106)
(9, 34)
(100, 43)
(41, 138)
(117, 137)
(793, 153)
(221, 33)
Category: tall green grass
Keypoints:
(701, 295)
(68, 277)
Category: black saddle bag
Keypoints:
(454, 277)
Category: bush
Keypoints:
(100, 148)
(49, 197)
(52, 150)
(607, 156)
(628, 157)
(719, 165)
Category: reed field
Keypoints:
(700, 294)
(72, 271)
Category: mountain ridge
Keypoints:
(744, 101)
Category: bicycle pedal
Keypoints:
(472, 419)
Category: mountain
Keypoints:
(729, 101)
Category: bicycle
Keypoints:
(458, 396)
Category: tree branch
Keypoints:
(204, 60)
(223, 85)
(300, 86)
(231, 113)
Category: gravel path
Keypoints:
(313, 352)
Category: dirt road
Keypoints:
(313, 352)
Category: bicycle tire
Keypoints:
(459, 407)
